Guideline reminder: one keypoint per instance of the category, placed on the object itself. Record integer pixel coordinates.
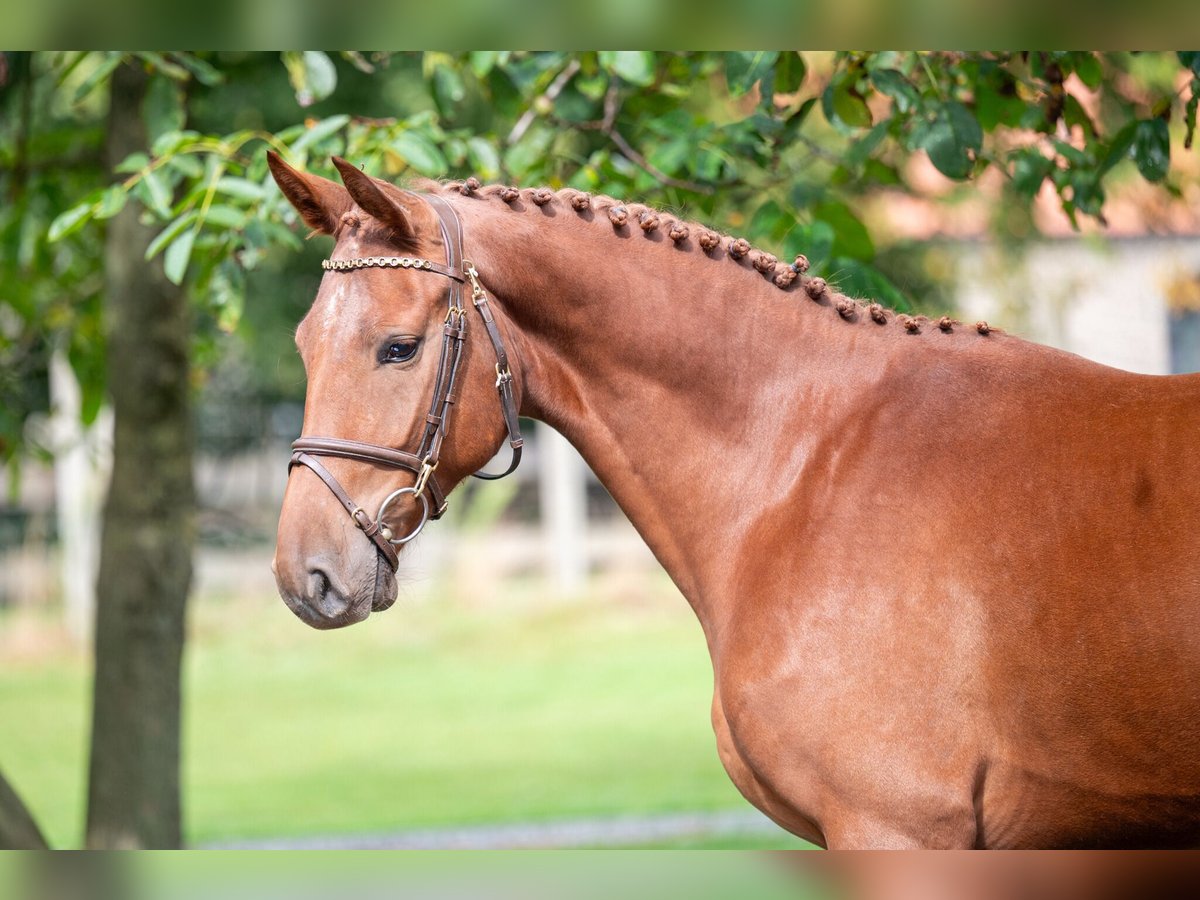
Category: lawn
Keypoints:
(446, 710)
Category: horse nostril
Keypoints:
(324, 595)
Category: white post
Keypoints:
(81, 458)
(562, 493)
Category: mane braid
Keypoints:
(787, 277)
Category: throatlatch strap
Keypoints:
(508, 403)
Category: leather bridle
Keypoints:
(424, 462)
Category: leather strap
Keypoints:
(372, 453)
(508, 403)
(368, 525)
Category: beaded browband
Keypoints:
(391, 262)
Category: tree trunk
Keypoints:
(148, 529)
(80, 876)
(18, 831)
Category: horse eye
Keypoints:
(399, 351)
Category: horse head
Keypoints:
(386, 353)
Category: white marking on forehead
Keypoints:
(333, 305)
(341, 287)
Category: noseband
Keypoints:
(425, 491)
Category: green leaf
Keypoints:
(1191, 60)
(111, 202)
(635, 66)
(861, 150)
(1088, 68)
(171, 232)
(134, 162)
(996, 107)
(671, 156)
(951, 139)
(448, 88)
(240, 188)
(175, 262)
(1086, 193)
(224, 216)
(1189, 114)
(771, 223)
(522, 157)
(790, 71)
(1071, 153)
(312, 74)
(69, 222)
(844, 105)
(185, 165)
(794, 122)
(319, 132)
(483, 61)
(163, 66)
(1075, 114)
(814, 240)
(594, 87)
(420, 152)
(1118, 148)
(158, 195)
(744, 69)
(879, 172)
(573, 106)
(169, 141)
(99, 75)
(850, 235)
(892, 83)
(1152, 149)
(1029, 170)
(484, 158)
(203, 72)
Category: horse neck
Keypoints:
(693, 386)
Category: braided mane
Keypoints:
(785, 276)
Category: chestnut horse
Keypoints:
(949, 579)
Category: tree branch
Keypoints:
(608, 125)
(555, 88)
(642, 162)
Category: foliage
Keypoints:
(730, 138)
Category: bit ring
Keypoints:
(420, 525)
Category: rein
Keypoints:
(424, 461)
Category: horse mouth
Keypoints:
(325, 599)
(384, 593)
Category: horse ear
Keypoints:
(319, 201)
(367, 193)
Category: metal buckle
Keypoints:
(503, 376)
(477, 292)
(423, 478)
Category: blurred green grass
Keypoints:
(442, 711)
